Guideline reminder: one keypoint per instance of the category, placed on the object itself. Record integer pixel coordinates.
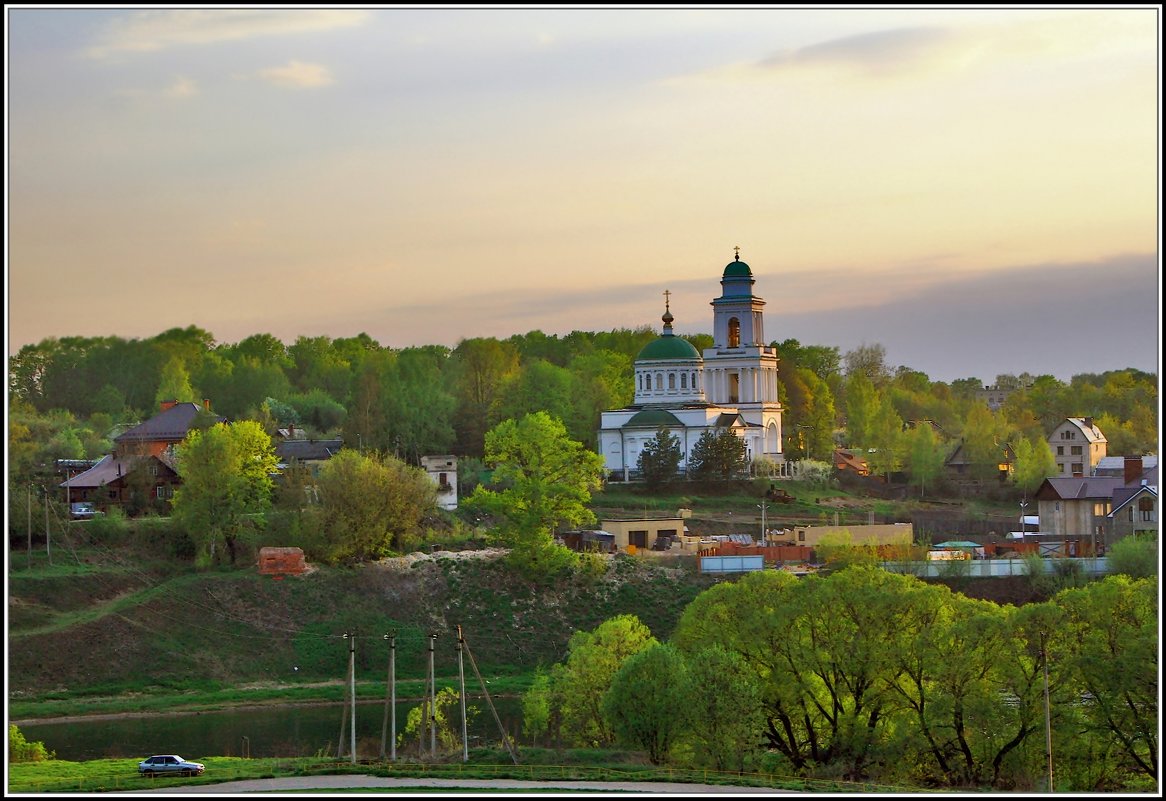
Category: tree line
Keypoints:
(866, 675)
(70, 396)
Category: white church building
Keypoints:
(732, 386)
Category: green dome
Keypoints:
(737, 269)
(653, 418)
(668, 348)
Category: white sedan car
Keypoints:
(169, 764)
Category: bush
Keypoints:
(21, 750)
(1135, 556)
(110, 528)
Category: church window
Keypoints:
(659, 382)
(684, 380)
(734, 387)
(734, 332)
(694, 380)
(672, 381)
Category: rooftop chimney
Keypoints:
(1089, 422)
(206, 404)
(169, 404)
(1133, 469)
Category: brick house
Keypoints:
(140, 475)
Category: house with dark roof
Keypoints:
(310, 453)
(960, 467)
(1097, 511)
(141, 475)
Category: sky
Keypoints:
(975, 189)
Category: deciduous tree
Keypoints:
(226, 485)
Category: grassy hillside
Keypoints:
(106, 626)
(115, 618)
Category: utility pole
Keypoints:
(432, 701)
(343, 713)
(352, 684)
(391, 697)
(48, 535)
(461, 678)
(763, 532)
(490, 703)
(1048, 717)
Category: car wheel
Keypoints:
(186, 773)
(149, 774)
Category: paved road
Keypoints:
(381, 784)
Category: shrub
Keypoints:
(1136, 557)
(21, 750)
(109, 528)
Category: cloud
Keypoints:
(182, 87)
(298, 75)
(146, 31)
(884, 51)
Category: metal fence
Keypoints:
(993, 568)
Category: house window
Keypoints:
(1060, 450)
(1078, 468)
(1101, 509)
(638, 538)
(1131, 514)
(1075, 450)
(1060, 467)
(1146, 507)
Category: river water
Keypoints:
(270, 731)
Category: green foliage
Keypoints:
(659, 461)
(536, 706)
(226, 485)
(175, 384)
(885, 439)
(926, 456)
(447, 721)
(642, 703)
(1034, 462)
(718, 456)
(542, 479)
(580, 683)
(862, 405)
(370, 506)
(1134, 556)
(21, 750)
(1113, 647)
(722, 711)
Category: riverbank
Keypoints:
(255, 696)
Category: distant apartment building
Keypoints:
(995, 396)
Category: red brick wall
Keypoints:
(281, 560)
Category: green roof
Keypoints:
(653, 418)
(667, 348)
(737, 269)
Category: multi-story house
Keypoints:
(141, 473)
(1095, 511)
(1078, 446)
